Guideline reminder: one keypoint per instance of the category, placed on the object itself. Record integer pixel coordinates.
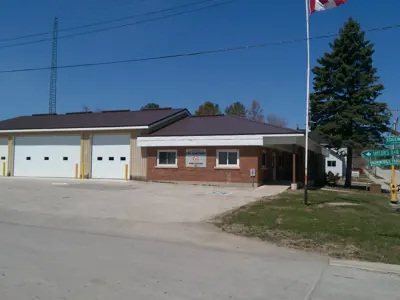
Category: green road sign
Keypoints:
(380, 153)
(384, 162)
(392, 140)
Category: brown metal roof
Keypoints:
(220, 125)
(90, 120)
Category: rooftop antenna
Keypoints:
(53, 71)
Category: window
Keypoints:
(65, 158)
(264, 159)
(28, 158)
(123, 158)
(3, 158)
(167, 158)
(331, 163)
(111, 158)
(99, 158)
(46, 158)
(227, 158)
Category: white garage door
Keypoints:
(3, 155)
(110, 154)
(46, 156)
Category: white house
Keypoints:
(336, 162)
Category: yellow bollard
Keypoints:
(83, 171)
(4, 169)
(76, 171)
(393, 187)
(126, 172)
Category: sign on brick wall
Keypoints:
(196, 158)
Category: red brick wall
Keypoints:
(249, 158)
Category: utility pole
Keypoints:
(53, 71)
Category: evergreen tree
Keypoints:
(343, 105)
(208, 108)
(236, 109)
(151, 106)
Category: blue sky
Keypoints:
(275, 76)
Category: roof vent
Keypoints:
(38, 115)
(79, 113)
(115, 111)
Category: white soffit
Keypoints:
(210, 140)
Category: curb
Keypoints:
(367, 266)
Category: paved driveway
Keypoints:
(113, 240)
(135, 201)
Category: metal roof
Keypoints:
(220, 125)
(105, 119)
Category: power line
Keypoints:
(237, 48)
(106, 21)
(120, 26)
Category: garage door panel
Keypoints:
(110, 154)
(46, 156)
(37, 141)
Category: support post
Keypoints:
(307, 106)
(294, 169)
(4, 169)
(393, 186)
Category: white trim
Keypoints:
(227, 166)
(175, 165)
(209, 140)
(74, 129)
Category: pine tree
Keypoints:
(236, 109)
(151, 106)
(208, 108)
(343, 105)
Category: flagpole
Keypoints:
(307, 106)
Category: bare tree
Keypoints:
(85, 108)
(255, 112)
(276, 120)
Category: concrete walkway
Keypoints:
(387, 178)
(387, 175)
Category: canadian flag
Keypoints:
(318, 5)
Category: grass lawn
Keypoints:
(360, 226)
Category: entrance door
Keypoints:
(274, 166)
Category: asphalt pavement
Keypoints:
(57, 255)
